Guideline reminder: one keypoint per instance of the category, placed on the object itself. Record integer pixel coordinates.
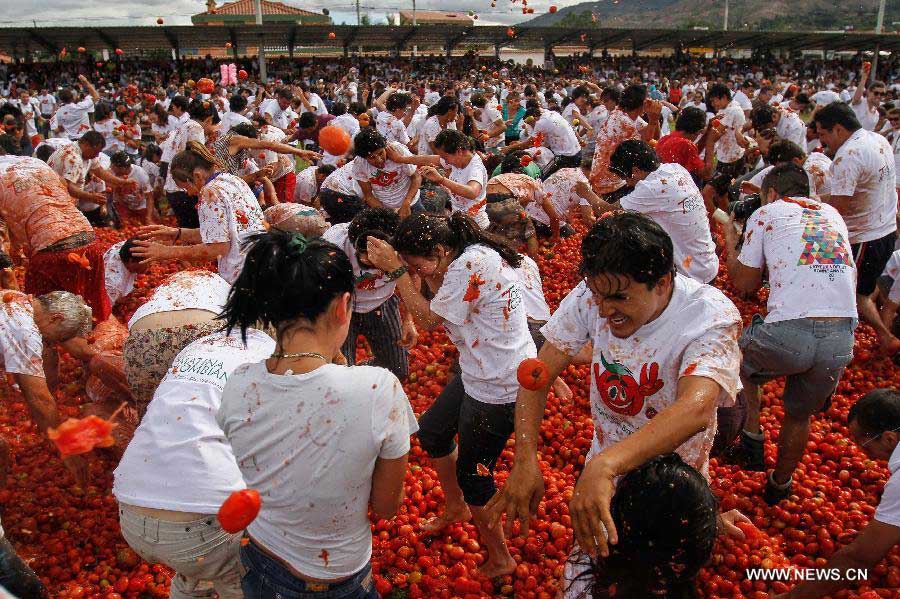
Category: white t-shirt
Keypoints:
(228, 211)
(560, 188)
(21, 345)
(804, 245)
(179, 439)
(343, 181)
(817, 167)
(825, 97)
(47, 103)
(670, 197)
(490, 330)
(308, 443)
(73, 117)
(868, 117)
(733, 119)
(558, 134)
(106, 128)
(279, 117)
(487, 121)
(635, 378)
(186, 290)
(230, 119)
(347, 122)
(307, 188)
(390, 183)
(532, 287)
(134, 199)
(429, 132)
(176, 142)
(742, 100)
(372, 288)
(119, 280)
(892, 270)
(863, 167)
(791, 128)
(391, 128)
(474, 171)
(284, 163)
(888, 510)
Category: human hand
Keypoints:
(150, 251)
(159, 233)
(591, 518)
(405, 211)
(727, 524)
(430, 173)
(519, 497)
(408, 334)
(382, 255)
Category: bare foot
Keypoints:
(561, 389)
(497, 568)
(439, 523)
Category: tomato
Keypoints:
(239, 510)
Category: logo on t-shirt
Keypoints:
(367, 280)
(383, 178)
(822, 244)
(620, 391)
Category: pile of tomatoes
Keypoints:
(70, 535)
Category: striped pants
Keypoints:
(381, 328)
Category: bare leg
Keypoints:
(751, 393)
(791, 445)
(455, 508)
(499, 562)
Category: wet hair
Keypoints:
(421, 234)
(397, 101)
(784, 150)
(717, 90)
(286, 278)
(451, 141)
(200, 110)
(357, 108)
(611, 93)
(372, 219)
(628, 244)
(237, 103)
(44, 152)
(666, 516)
(125, 251)
(444, 105)
(194, 156)
(325, 169)
(103, 110)
(876, 412)
(479, 101)
(180, 102)
(152, 150)
(633, 97)
(120, 159)
(307, 120)
(762, 116)
(580, 92)
(245, 130)
(837, 113)
(802, 98)
(93, 139)
(788, 180)
(76, 315)
(691, 120)
(633, 153)
(512, 162)
(367, 141)
(338, 108)
(284, 93)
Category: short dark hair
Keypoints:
(367, 141)
(611, 93)
(372, 219)
(788, 180)
(125, 251)
(398, 100)
(784, 150)
(580, 92)
(44, 152)
(691, 120)
(201, 110)
(120, 159)
(479, 101)
(718, 90)
(338, 108)
(876, 412)
(628, 244)
(284, 93)
(837, 113)
(633, 97)
(66, 95)
(181, 102)
(246, 130)
(444, 105)
(8, 146)
(307, 120)
(93, 139)
(633, 153)
(762, 116)
(325, 169)
(451, 141)
(237, 103)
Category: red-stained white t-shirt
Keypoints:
(21, 345)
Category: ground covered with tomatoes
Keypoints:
(70, 535)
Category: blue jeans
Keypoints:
(16, 577)
(266, 578)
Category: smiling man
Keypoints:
(665, 355)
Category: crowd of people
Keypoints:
(295, 260)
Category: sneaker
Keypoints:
(772, 494)
(747, 453)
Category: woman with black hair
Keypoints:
(668, 517)
(228, 213)
(441, 116)
(232, 150)
(321, 442)
(200, 125)
(478, 300)
(468, 178)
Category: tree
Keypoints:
(365, 20)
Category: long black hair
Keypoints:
(420, 235)
(286, 278)
(666, 517)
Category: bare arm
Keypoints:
(92, 91)
(368, 196)
(39, 400)
(861, 87)
(387, 486)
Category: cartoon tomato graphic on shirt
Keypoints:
(383, 178)
(620, 391)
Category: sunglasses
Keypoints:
(874, 93)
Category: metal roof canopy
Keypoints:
(16, 40)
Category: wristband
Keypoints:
(396, 274)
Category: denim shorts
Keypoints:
(811, 353)
(267, 578)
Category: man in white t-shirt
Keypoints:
(816, 164)
(731, 147)
(384, 182)
(121, 268)
(341, 196)
(30, 108)
(133, 198)
(667, 194)
(863, 190)
(554, 133)
(665, 355)
(787, 123)
(874, 424)
(376, 309)
(309, 180)
(276, 111)
(866, 102)
(742, 96)
(567, 188)
(807, 334)
(27, 324)
(71, 118)
(490, 122)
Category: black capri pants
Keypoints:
(483, 431)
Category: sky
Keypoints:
(24, 13)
